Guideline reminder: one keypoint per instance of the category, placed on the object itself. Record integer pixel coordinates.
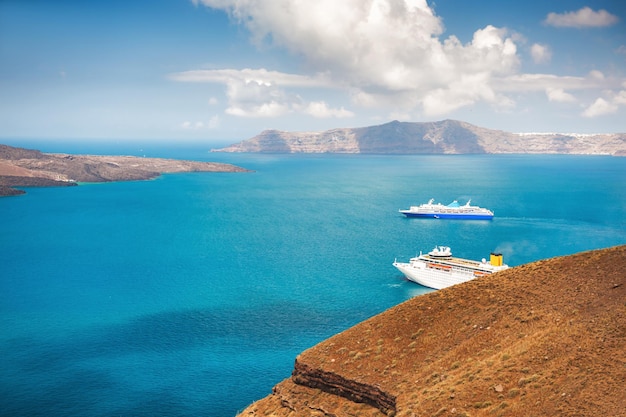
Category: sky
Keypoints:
(215, 70)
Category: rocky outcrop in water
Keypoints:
(444, 137)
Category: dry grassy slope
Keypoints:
(542, 339)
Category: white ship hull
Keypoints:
(439, 269)
(451, 211)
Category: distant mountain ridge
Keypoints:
(442, 137)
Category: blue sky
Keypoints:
(215, 70)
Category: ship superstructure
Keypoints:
(439, 269)
(451, 211)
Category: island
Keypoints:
(441, 137)
(21, 167)
(541, 339)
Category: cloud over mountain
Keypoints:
(387, 54)
(384, 53)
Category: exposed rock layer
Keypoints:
(351, 389)
(546, 338)
(444, 137)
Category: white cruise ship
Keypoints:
(452, 211)
(439, 269)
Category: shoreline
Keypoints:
(21, 167)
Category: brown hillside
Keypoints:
(31, 168)
(542, 339)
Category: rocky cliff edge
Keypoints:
(542, 339)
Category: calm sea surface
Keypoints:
(191, 294)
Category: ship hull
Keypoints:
(439, 269)
(432, 278)
(460, 216)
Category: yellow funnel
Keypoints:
(495, 259)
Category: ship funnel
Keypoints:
(495, 259)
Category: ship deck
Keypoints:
(455, 261)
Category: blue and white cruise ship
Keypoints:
(452, 211)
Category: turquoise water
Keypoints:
(192, 294)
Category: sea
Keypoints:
(193, 293)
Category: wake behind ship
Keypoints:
(439, 269)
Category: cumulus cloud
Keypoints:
(583, 18)
(620, 98)
(320, 109)
(257, 98)
(383, 53)
(541, 53)
(597, 75)
(600, 107)
(559, 95)
(608, 104)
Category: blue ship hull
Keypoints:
(452, 211)
(460, 216)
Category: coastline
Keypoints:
(21, 167)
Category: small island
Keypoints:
(21, 167)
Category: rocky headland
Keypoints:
(542, 339)
(31, 168)
(443, 137)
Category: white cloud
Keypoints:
(213, 123)
(187, 125)
(255, 98)
(559, 95)
(259, 76)
(263, 93)
(321, 110)
(600, 107)
(583, 18)
(620, 98)
(542, 82)
(381, 51)
(463, 92)
(541, 53)
(596, 75)
(388, 54)
(608, 104)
